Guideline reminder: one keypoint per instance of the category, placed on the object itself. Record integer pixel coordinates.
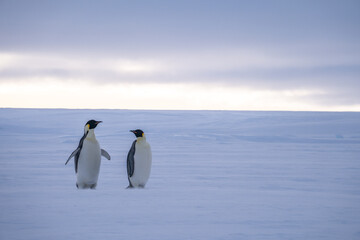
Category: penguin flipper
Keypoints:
(73, 154)
(130, 160)
(105, 154)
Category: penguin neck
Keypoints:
(141, 139)
(91, 135)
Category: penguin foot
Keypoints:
(86, 186)
(129, 187)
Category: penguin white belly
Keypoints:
(89, 164)
(142, 168)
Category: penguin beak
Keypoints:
(97, 122)
(133, 131)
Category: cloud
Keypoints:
(143, 26)
(250, 68)
(27, 67)
(322, 80)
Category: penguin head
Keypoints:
(138, 133)
(91, 124)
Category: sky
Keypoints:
(211, 55)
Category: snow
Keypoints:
(215, 175)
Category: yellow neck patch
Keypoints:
(87, 127)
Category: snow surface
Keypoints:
(215, 175)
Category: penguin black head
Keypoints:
(92, 124)
(138, 132)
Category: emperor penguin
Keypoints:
(87, 157)
(139, 161)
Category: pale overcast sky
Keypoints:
(232, 55)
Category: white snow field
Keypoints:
(215, 175)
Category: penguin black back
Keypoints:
(76, 157)
(130, 158)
